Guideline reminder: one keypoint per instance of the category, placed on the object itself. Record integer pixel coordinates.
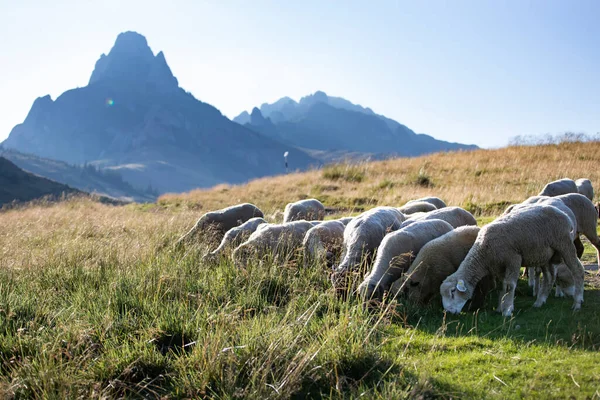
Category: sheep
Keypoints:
(436, 201)
(276, 239)
(537, 236)
(363, 235)
(583, 212)
(417, 206)
(235, 236)
(437, 260)
(565, 284)
(584, 187)
(455, 216)
(561, 186)
(395, 254)
(221, 221)
(323, 242)
(309, 209)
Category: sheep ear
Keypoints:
(460, 285)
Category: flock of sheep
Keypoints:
(425, 248)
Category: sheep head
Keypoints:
(455, 293)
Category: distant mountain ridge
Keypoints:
(328, 123)
(134, 118)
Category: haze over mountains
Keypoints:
(135, 119)
(323, 122)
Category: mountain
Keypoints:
(326, 123)
(18, 185)
(133, 118)
(88, 178)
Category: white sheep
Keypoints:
(537, 236)
(235, 236)
(455, 216)
(323, 242)
(308, 209)
(437, 260)
(220, 221)
(279, 240)
(416, 207)
(345, 220)
(363, 235)
(436, 201)
(395, 254)
(584, 187)
(561, 186)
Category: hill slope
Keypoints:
(323, 122)
(18, 185)
(134, 117)
(483, 181)
(87, 178)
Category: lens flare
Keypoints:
(110, 102)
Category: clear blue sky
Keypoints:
(470, 71)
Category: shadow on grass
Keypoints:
(554, 323)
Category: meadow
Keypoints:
(95, 302)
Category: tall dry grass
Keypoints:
(482, 180)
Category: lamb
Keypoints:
(455, 216)
(437, 260)
(363, 235)
(221, 221)
(323, 242)
(277, 239)
(309, 209)
(436, 201)
(584, 187)
(235, 236)
(561, 186)
(417, 206)
(537, 236)
(397, 251)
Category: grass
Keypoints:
(95, 303)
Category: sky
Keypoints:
(479, 71)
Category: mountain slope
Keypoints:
(87, 178)
(323, 122)
(133, 117)
(21, 186)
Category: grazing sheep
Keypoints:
(537, 236)
(323, 242)
(561, 186)
(395, 254)
(584, 187)
(309, 209)
(455, 216)
(235, 236)
(436, 261)
(417, 206)
(582, 211)
(436, 201)
(279, 240)
(363, 235)
(221, 221)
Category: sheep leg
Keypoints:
(546, 286)
(569, 256)
(509, 284)
(578, 246)
(531, 278)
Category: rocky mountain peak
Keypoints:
(132, 61)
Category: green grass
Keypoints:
(165, 325)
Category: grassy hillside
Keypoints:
(482, 181)
(95, 303)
